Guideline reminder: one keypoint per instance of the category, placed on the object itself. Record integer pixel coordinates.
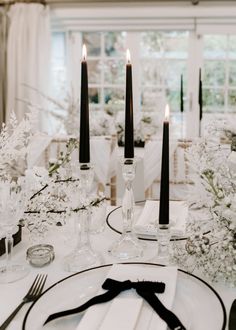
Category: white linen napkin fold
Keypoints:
(140, 317)
(147, 221)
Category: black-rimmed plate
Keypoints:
(115, 222)
(196, 303)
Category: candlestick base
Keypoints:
(163, 240)
(127, 247)
(82, 259)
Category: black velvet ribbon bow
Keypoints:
(145, 289)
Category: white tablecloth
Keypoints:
(11, 294)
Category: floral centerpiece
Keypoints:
(14, 142)
(211, 246)
(55, 193)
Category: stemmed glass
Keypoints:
(12, 203)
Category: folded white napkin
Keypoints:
(140, 316)
(147, 221)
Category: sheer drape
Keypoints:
(28, 56)
(3, 45)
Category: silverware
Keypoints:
(33, 293)
(232, 316)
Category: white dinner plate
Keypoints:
(196, 303)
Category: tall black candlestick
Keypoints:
(200, 96)
(84, 147)
(129, 125)
(181, 94)
(164, 189)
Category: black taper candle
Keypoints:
(129, 125)
(200, 95)
(164, 185)
(181, 94)
(84, 146)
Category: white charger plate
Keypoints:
(196, 303)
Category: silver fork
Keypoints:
(33, 293)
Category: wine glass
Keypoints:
(12, 204)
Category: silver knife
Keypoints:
(232, 316)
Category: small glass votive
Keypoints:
(40, 255)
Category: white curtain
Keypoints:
(28, 57)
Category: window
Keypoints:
(163, 59)
(58, 64)
(106, 69)
(159, 57)
(219, 79)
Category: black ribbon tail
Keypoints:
(165, 314)
(107, 296)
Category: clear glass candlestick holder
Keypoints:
(83, 256)
(128, 246)
(163, 241)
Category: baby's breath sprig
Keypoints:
(63, 159)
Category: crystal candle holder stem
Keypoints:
(83, 255)
(128, 246)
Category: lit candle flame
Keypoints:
(84, 53)
(167, 112)
(128, 57)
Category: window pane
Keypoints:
(113, 95)
(173, 44)
(94, 72)
(232, 100)
(232, 46)
(173, 98)
(152, 44)
(213, 100)
(58, 67)
(92, 40)
(94, 95)
(153, 99)
(214, 73)
(114, 72)
(115, 43)
(215, 46)
(232, 73)
(152, 72)
(174, 69)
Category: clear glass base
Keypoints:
(81, 259)
(163, 240)
(127, 247)
(13, 273)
